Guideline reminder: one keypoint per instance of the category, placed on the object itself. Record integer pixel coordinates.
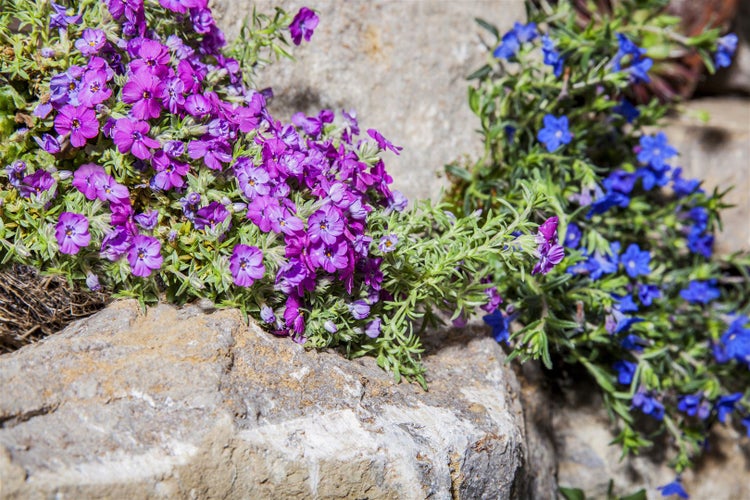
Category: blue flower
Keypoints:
(648, 405)
(694, 405)
(736, 341)
(626, 304)
(508, 47)
(655, 151)
(700, 292)
(725, 48)
(700, 242)
(699, 215)
(684, 187)
(555, 132)
(607, 201)
(648, 293)
(725, 405)
(572, 235)
(512, 40)
(636, 261)
(650, 177)
(500, 324)
(552, 56)
(746, 423)
(627, 110)
(673, 488)
(639, 65)
(633, 342)
(625, 371)
(620, 181)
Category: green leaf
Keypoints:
(572, 493)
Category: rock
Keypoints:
(401, 65)
(190, 403)
(718, 152)
(586, 460)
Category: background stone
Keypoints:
(402, 65)
(719, 153)
(187, 403)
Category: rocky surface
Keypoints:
(401, 65)
(582, 433)
(189, 403)
(718, 151)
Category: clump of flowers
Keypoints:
(638, 298)
(139, 157)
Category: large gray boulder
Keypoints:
(401, 65)
(189, 403)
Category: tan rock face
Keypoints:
(190, 403)
(402, 65)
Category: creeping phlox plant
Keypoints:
(637, 299)
(139, 158)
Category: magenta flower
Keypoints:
(81, 122)
(303, 25)
(181, 6)
(153, 58)
(294, 318)
(197, 105)
(172, 96)
(83, 179)
(246, 265)
(94, 89)
(130, 136)
(72, 232)
(144, 255)
(144, 91)
(253, 181)
(91, 41)
(383, 143)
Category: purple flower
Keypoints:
(246, 265)
(181, 6)
(388, 243)
(72, 232)
(326, 224)
(211, 215)
(253, 181)
(15, 172)
(655, 151)
(147, 220)
(636, 261)
(115, 244)
(79, 121)
(59, 19)
(549, 257)
(213, 151)
(144, 255)
(555, 132)
(383, 143)
(37, 183)
(130, 136)
(283, 221)
(48, 143)
(202, 20)
(725, 48)
(143, 91)
(91, 41)
(84, 179)
(331, 256)
(170, 173)
(372, 329)
(294, 318)
(92, 281)
(360, 309)
(107, 189)
(303, 25)
(493, 300)
(267, 315)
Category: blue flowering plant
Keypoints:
(637, 298)
(140, 159)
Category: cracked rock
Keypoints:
(184, 403)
